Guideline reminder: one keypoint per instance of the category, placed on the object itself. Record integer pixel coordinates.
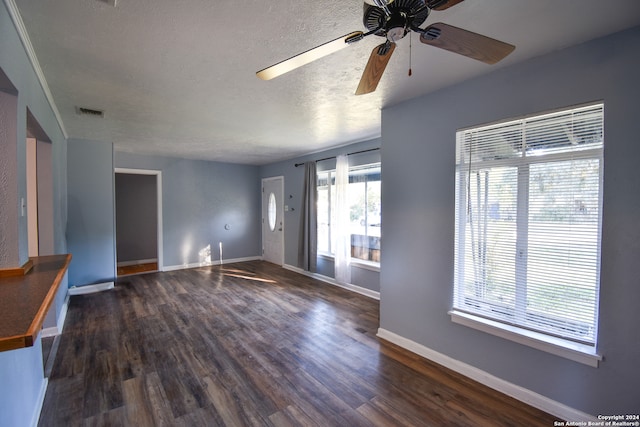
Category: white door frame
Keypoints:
(158, 175)
(280, 214)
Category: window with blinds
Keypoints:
(528, 209)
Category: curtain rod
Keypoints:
(348, 154)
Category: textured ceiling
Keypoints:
(177, 78)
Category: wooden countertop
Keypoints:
(25, 300)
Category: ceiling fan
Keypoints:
(393, 20)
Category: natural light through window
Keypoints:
(364, 211)
(528, 208)
(272, 212)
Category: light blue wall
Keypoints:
(22, 385)
(59, 159)
(293, 187)
(21, 372)
(418, 156)
(16, 65)
(90, 226)
(198, 199)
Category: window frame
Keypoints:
(569, 348)
(330, 177)
(329, 172)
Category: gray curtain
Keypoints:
(308, 244)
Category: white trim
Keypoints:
(208, 264)
(57, 330)
(137, 262)
(159, 219)
(51, 331)
(353, 288)
(365, 265)
(39, 403)
(570, 350)
(133, 171)
(522, 394)
(63, 313)
(90, 289)
(355, 262)
(14, 13)
(158, 175)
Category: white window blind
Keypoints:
(528, 208)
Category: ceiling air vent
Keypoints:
(109, 2)
(82, 111)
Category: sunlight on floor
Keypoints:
(243, 275)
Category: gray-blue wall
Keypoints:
(293, 186)
(418, 157)
(198, 199)
(91, 224)
(21, 373)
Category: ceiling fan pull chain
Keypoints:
(410, 38)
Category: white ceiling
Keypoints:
(177, 78)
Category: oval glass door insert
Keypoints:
(271, 212)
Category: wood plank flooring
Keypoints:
(125, 270)
(250, 344)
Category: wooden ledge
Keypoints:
(26, 299)
(17, 271)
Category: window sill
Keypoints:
(568, 349)
(355, 262)
(325, 255)
(365, 265)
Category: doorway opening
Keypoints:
(39, 204)
(138, 221)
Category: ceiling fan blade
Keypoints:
(375, 67)
(466, 43)
(309, 56)
(442, 4)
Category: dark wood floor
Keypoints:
(250, 344)
(125, 270)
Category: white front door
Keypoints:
(273, 220)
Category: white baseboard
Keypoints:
(208, 264)
(137, 262)
(36, 414)
(89, 289)
(50, 332)
(353, 288)
(57, 330)
(563, 412)
(63, 313)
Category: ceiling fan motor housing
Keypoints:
(396, 26)
(404, 15)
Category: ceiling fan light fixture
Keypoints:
(397, 26)
(375, 2)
